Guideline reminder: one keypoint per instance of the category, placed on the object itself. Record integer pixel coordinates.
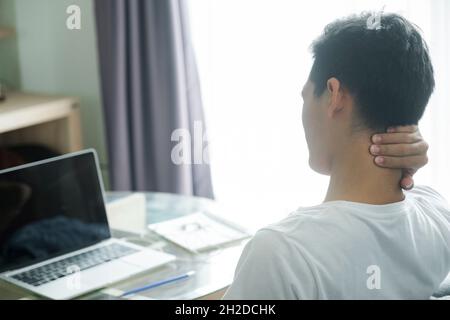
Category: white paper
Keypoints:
(197, 232)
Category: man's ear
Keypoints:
(335, 94)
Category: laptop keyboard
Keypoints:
(61, 268)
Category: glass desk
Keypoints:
(214, 269)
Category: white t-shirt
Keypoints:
(348, 250)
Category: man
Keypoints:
(368, 239)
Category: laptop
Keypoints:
(54, 235)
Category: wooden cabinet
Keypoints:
(53, 121)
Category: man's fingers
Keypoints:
(400, 150)
(405, 129)
(409, 172)
(396, 137)
(407, 182)
(401, 162)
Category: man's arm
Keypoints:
(270, 269)
(401, 148)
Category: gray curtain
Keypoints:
(150, 88)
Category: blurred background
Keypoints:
(254, 58)
(136, 71)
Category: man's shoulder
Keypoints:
(307, 225)
(426, 193)
(304, 217)
(434, 222)
(429, 199)
(298, 219)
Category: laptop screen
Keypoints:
(50, 208)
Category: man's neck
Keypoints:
(354, 177)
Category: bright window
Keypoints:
(253, 57)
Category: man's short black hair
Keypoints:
(386, 68)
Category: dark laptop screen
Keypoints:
(50, 208)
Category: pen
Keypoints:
(159, 283)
